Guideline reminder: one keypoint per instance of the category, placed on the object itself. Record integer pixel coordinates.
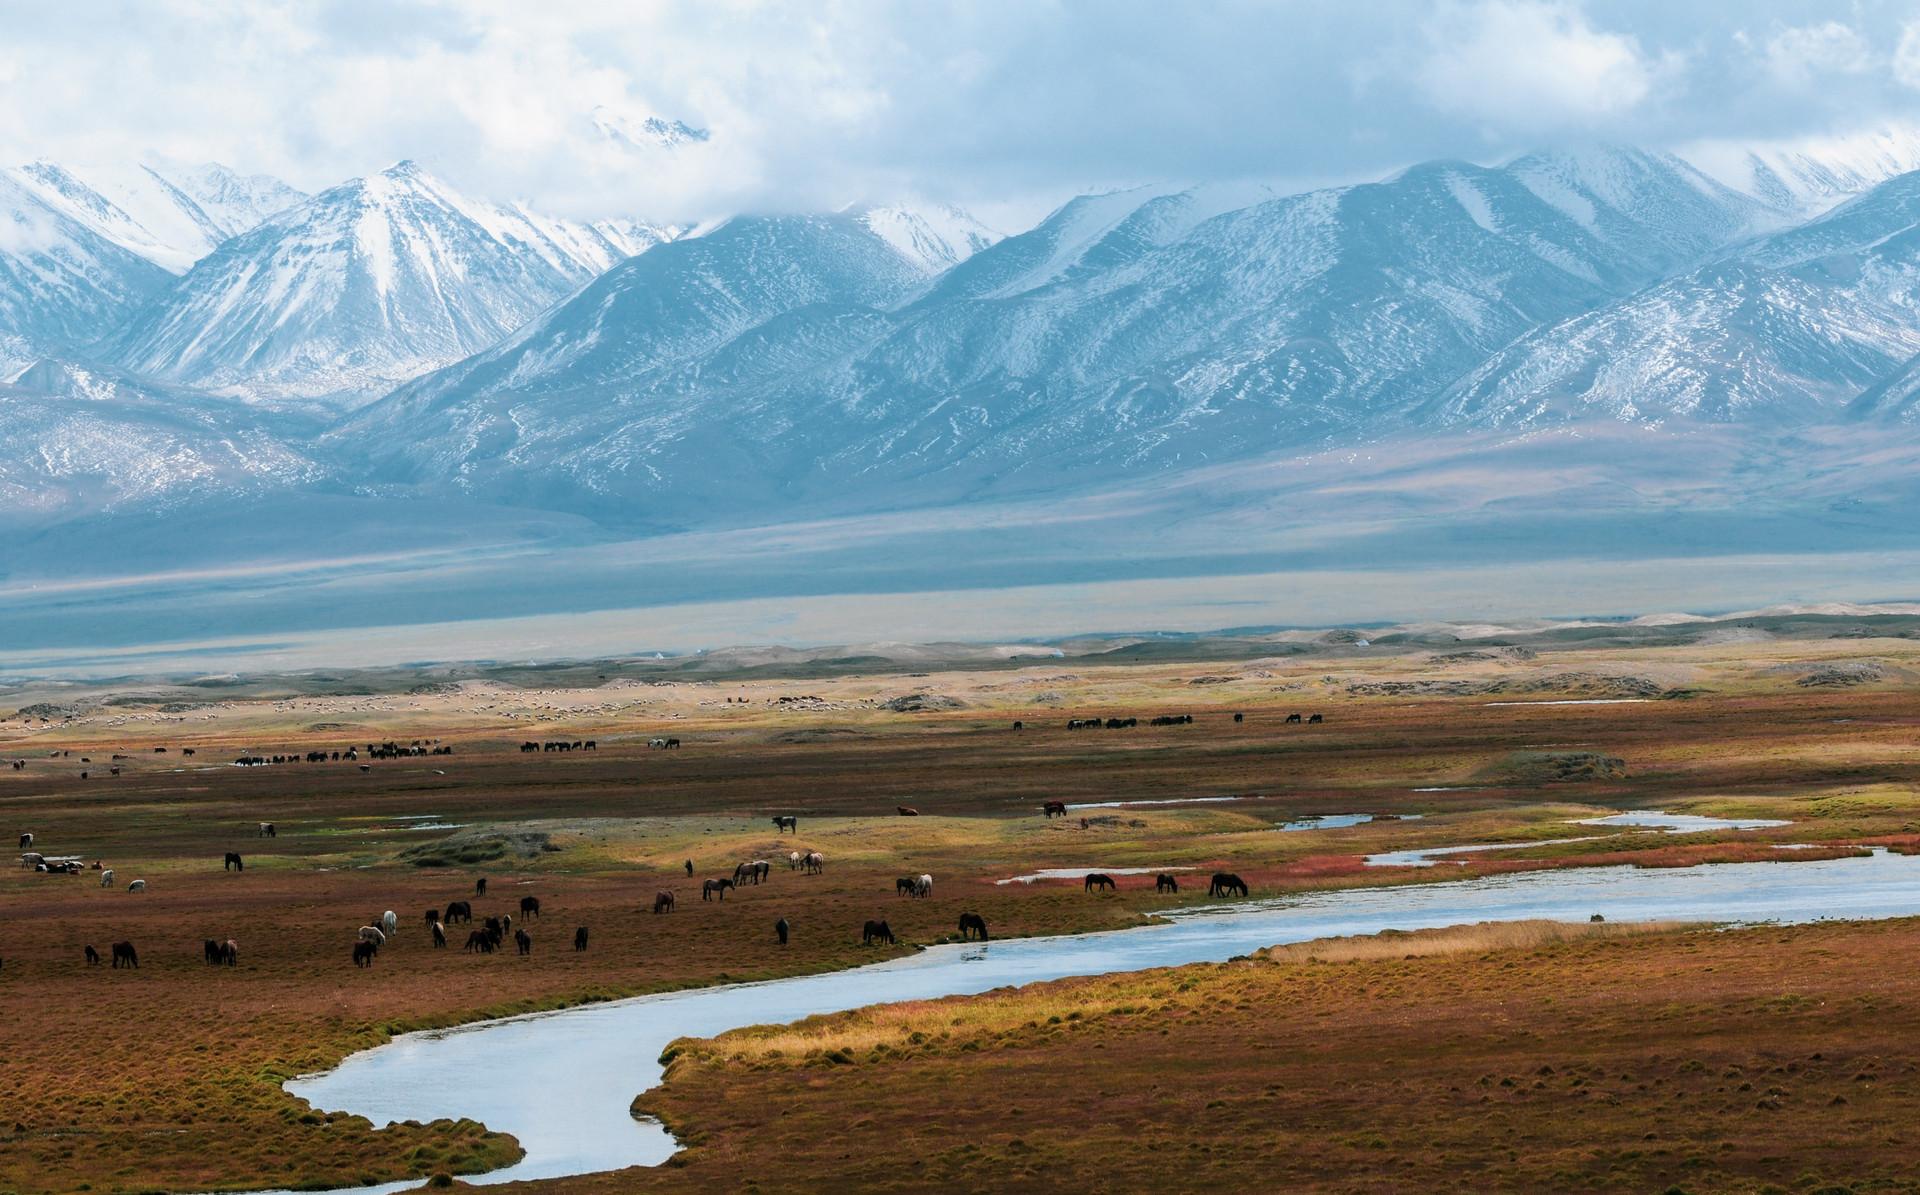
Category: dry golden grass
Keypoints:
(1483, 938)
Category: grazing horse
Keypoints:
(814, 863)
(371, 933)
(876, 931)
(480, 886)
(137, 886)
(459, 911)
(580, 938)
(1292, 718)
(1239, 717)
(906, 811)
(233, 862)
(1054, 809)
(523, 940)
(479, 940)
(973, 924)
(1165, 883)
(106, 878)
(432, 916)
(390, 922)
(689, 869)
(1019, 725)
(529, 906)
(780, 928)
(229, 953)
(363, 953)
(785, 822)
(123, 952)
(923, 886)
(267, 830)
(439, 935)
(903, 886)
(757, 870)
(1225, 883)
(715, 889)
(793, 860)
(93, 956)
(26, 841)
(211, 950)
(1315, 719)
(663, 901)
(1097, 879)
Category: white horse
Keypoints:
(389, 922)
(793, 861)
(923, 886)
(814, 863)
(371, 933)
(137, 886)
(106, 878)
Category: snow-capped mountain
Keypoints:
(1136, 331)
(646, 132)
(364, 286)
(62, 284)
(1790, 328)
(171, 214)
(1804, 177)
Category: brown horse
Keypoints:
(715, 889)
(123, 952)
(1097, 880)
(93, 956)
(529, 906)
(523, 940)
(876, 931)
(663, 901)
(973, 925)
(1165, 883)
(1054, 809)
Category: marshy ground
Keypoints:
(1602, 1059)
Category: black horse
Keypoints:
(904, 886)
(363, 953)
(459, 911)
(480, 886)
(523, 940)
(780, 929)
(233, 862)
(529, 906)
(972, 925)
(785, 822)
(1165, 883)
(1096, 879)
(580, 938)
(689, 869)
(433, 915)
(93, 957)
(876, 931)
(123, 952)
(1054, 809)
(480, 940)
(1225, 883)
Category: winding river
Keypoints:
(563, 1082)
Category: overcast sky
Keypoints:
(1000, 105)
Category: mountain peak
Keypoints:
(647, 132)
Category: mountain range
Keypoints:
(191, 339)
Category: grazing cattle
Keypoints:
(780, 928)
(389, 922)
(663, 901)
(233, 862)
(137, 886)
(906, 811)
(523, 940)
(124, 954)
(1315, 719)
(580, 938)
(903, 886)
(93, 957)
(1165, 883)
(26, 841)
(973, 925)
(1239, 717)
(529, 906)
(715, 889)
(371, 933)
(363, 953)
(785, 822)
(439, 935)
(876, 931)
(814, 863)
(1054, 809)
(1096, 879)
(1292, 718)
(459, 911)
(1225, 883)
(480, 886)
(106, 878)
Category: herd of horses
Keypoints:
(1161, 720)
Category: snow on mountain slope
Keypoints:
(170, 214)
(362, 287)
(935, 237)
(1143, 330)
(1790, 328)
(1806, 176)
(61, 284)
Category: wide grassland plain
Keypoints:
(1533, 1058)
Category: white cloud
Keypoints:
(1801, 56)
(1533, 65)
(1906, 56)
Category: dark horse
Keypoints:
(663, 901)
(973, 924)
(709, 889)
(785, 822)
(523, 940)
(780, 929)
(529, 906)
(363, 953)
(93, 957)
(1165, 883)
(906, 811)
(1097, 879)
(233, 862)
(123, 952)
(876, 931)
(1054, 809)
(580, 938)
(1225, 883)
(904, 886)
(480, 886)
(459, 911)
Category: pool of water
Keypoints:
(1075, 873)
(563, 1082)
(1651, 819)
(1073, 805)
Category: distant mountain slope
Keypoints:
(1793, 327)
(362, 287)
(1137, 331)
(171, 214)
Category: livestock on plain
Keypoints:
(580, 938)
(523, 940)
(93, 956)
(233, 862)
(906, 811)
(923, 885)
(814, 863)
(267, 830)
(1166, 883)
(1098, 880)
(785, 822)
(106, 878)
(390, 922)
(458, 912)
(1053, 809)
(363, 953)
(1225, 883)
(125, 955)
(137, 886)
(663, 901)
(371, 933)
(715, 889)
(780, 929)
(529, 906)
(973, 925)
(876, 931)
(439, 935)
